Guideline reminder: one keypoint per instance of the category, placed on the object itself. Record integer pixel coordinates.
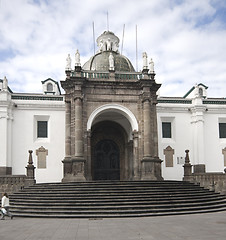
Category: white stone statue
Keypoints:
(115, 46)
(151, 66)
(77, 58)
(145, 60)
(102, 45)
(111, 62)
(5, 84)
(109, 43)
(196, 90)
(68, 62)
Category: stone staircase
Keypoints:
(114, 199)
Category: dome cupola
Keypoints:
(108, 45)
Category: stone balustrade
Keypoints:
(12, 183)
(214, 181)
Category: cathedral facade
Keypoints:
(110, 124)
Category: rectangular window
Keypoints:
(222, 130)
(166, 130)
(42, 129)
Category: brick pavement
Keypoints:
(195, 227)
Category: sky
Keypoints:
(185, 38)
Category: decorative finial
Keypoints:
(77, 59)
(30, 160)
(68, 63)
(151, 64)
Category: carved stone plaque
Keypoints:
(169, 152)
(41, 155)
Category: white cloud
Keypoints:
(186, 39)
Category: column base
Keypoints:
(151, 168)
(74, 169)
(187, 171)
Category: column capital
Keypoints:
(135, 134)
(78, 97)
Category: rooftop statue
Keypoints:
(111, 62)
(145, 60)
(151, 66)
(5, 84)
(77, 58)
(68, 62)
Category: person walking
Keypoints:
(5, 207)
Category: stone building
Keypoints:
(111, 119)
(110, 124)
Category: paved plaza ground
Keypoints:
(199, 226)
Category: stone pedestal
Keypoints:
(187, 167)
(30, 180)
(74, 170)
(151, 168)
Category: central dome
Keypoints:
(108, 44)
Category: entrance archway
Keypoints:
(109, 152)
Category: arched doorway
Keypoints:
(109, 152)
(106, 160)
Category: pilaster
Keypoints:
(197, 121)
(6, 118)
(150, 163)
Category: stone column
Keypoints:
(136, 175)
(147, 128)
(67, 160)
(150, 164)
(89, 166)
(78, 159)
(78, 128)
(67, 130)
(154, 130)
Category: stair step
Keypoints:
(115, 199)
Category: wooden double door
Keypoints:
(106, 160)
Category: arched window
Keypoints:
(49, 87)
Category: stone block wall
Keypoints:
(12, 183)
(212, 181)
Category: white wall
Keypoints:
(180, 118)
(24, 138)
(186, 135)
(213, 143)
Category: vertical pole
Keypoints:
(136, 51)
(123, 31)
(94, 50)
(107, 22)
